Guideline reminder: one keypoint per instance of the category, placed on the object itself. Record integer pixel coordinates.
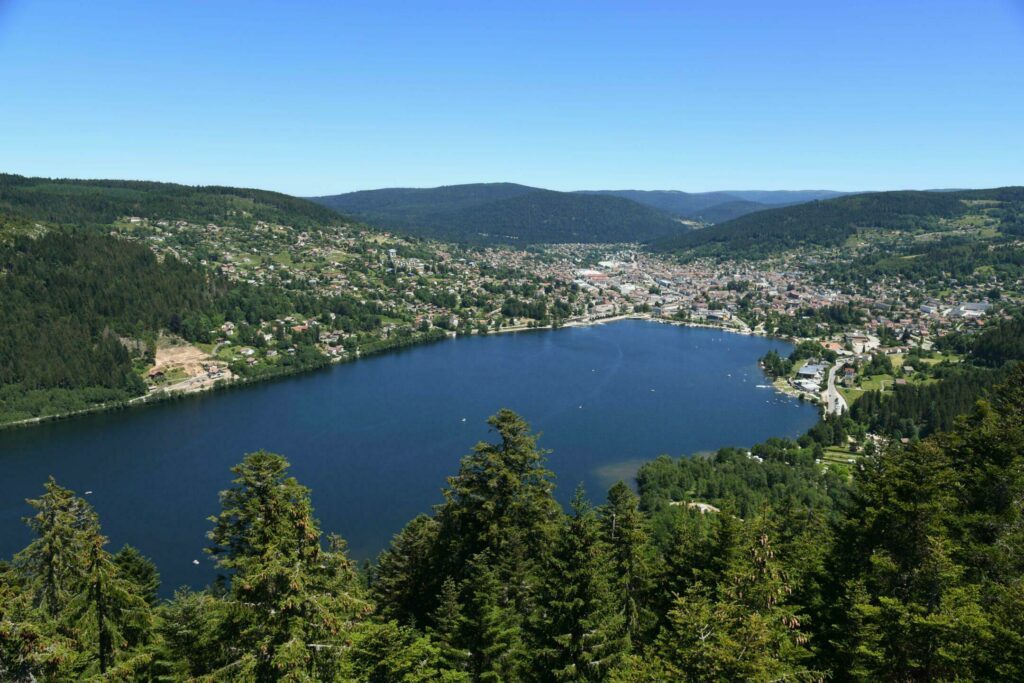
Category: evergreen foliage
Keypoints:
(94, 203)
(583, 623)
(832, 221)
(505, 212)
(76, 302)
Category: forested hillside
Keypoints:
(911, 569)
(676, 203)
(785, 197)
(967, 259)
(507, 212)
(831, 222)
(717, 207)
(934, 391)
(504, 212)
(81, 310)
(66, 299)
(412, 202)
(26, 201)
(726, 211)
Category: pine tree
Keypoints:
(744, 630)
(501, 500)
(500, 505)
(908, 603)
(698, 641)
(405, 581)
(53, 565)
(110, 613)
(31, 647)
(140, 570)
(703, 547)
(495, 628)
(449, 627)
(91, 618)
(191, 642)
(624, 530)
(290, 600)
(584, 631)
(390, 653)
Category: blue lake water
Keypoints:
(375, 439)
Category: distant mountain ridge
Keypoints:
(506, 213)
(713, 207)
(676, 203)
(26, 201)
(830, 222)
(726, 211)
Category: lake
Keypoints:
(375, 439)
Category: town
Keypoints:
(423, 290)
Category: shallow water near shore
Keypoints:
(375, 439)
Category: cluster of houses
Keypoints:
(591, 281)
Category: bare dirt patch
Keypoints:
(182, 367)
(178, 355)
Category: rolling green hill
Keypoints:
(785, 197)
(726, 211)
(25, 202)
(71, 293)
(504, 212)
(833, 221)
(410, 202)
(677, 203)
(717, 207)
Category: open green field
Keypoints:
(283, 258)
(839, 455)
(877, 383)
(873, 383)
(840, 460)
(941, 358)
(850, 395)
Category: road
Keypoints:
(833, 400)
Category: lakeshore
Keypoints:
(379, 436)
(193, 386)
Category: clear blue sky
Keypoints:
(319, 98)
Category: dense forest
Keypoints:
(727, 211)
(26, 201)
(996, 344)
(912, 410)
(82, 309)
(68, 298)
(715, 207)
(682, 204)
(831, 222)
(505, 212)
(911, 570)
